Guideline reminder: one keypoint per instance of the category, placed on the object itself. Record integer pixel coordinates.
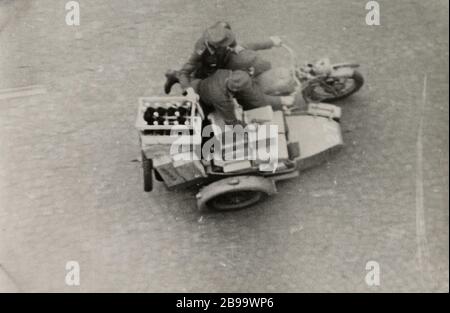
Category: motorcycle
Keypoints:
(317, 82)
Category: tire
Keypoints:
(236, 200)
(235, 193)
(147, 168)
(310, 96)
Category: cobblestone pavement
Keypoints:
(70, 191)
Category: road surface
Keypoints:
(69, 189)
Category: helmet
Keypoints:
(219, 35)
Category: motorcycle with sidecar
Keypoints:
(310, 135)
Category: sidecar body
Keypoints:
(307, 139)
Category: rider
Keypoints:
(216, 49)
(219, 90)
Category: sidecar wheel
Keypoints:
(236, 200)
(235, 193)
(311, 96)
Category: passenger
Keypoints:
(220, 90)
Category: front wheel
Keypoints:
(332, 88)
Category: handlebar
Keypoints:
(293, 60)
(292, 54)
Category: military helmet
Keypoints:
(220, 35)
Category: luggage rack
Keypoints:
(167, 134)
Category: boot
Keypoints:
(171, 79)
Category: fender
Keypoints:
(237, 183)
(343, 72)
(339, 65)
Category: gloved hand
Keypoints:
(191, 95)
(287, 110)
(287, 101)
(277, 41)
(295, 102)
(238, 49)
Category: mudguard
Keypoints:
(236, 183)
(343, 72)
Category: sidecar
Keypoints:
(306, 139)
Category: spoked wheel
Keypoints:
(236, 200)
(332, 88)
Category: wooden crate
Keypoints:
(182, 134)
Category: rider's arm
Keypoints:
(263, 45)
(260, 45)
(191, 65)
(274, 101)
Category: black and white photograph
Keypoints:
(234, 149)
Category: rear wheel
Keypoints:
(332, 89)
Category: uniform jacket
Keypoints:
(203, 61)
(214, 93)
